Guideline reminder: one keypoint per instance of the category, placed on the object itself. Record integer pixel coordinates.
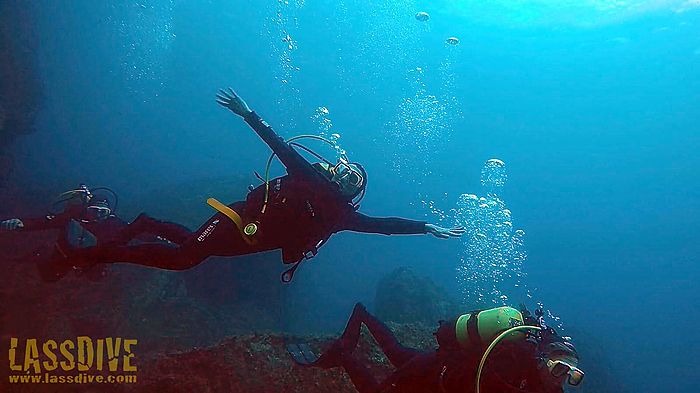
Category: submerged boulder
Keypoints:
(405, 297)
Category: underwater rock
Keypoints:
(252, 363)
(260, 363)
(404, 297)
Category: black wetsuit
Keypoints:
(511, 367)
(109, 230)
(303, 210)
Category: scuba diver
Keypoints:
(88, 207)
(497, 350)
(86, 218)
(296, 213)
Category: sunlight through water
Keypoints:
(578, 13)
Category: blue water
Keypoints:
(592, 105)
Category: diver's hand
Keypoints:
(232, 101)
(11, 224)
(444, 233)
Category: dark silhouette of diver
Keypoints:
(86, 217)
(296, 213)
(539, 362)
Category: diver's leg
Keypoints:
(345, 345)
(351, 334)
(359, 375)
(145, 224)
(397, 354)
(219, 236)
(415, 373)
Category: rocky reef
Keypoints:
(260, 363)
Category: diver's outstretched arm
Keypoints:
(11, 225)
(359, 222)
(292, 160)
(444, 233)
(50, 221)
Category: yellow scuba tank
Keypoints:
(481, 327)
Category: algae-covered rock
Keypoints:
(260, 363)
(249, 363)
(405, 297)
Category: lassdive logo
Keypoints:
(208, 231)
(83, 360)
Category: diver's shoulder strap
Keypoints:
(473, 329)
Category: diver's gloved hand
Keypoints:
(444, 233)
(11, 224)
(233, 102)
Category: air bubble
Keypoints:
(324, 126)
(422, 16)
(491, 262)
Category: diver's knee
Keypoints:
(359, 309)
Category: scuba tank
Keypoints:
(481, 327)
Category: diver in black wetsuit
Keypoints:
(536, 363)
(87, 218)
(295, 213)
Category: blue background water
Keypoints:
(593, 106)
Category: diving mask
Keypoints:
(346, 174)
(350, 177)
(98, 210)
(559, 368)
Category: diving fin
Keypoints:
(79, 237)
(302, 354)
